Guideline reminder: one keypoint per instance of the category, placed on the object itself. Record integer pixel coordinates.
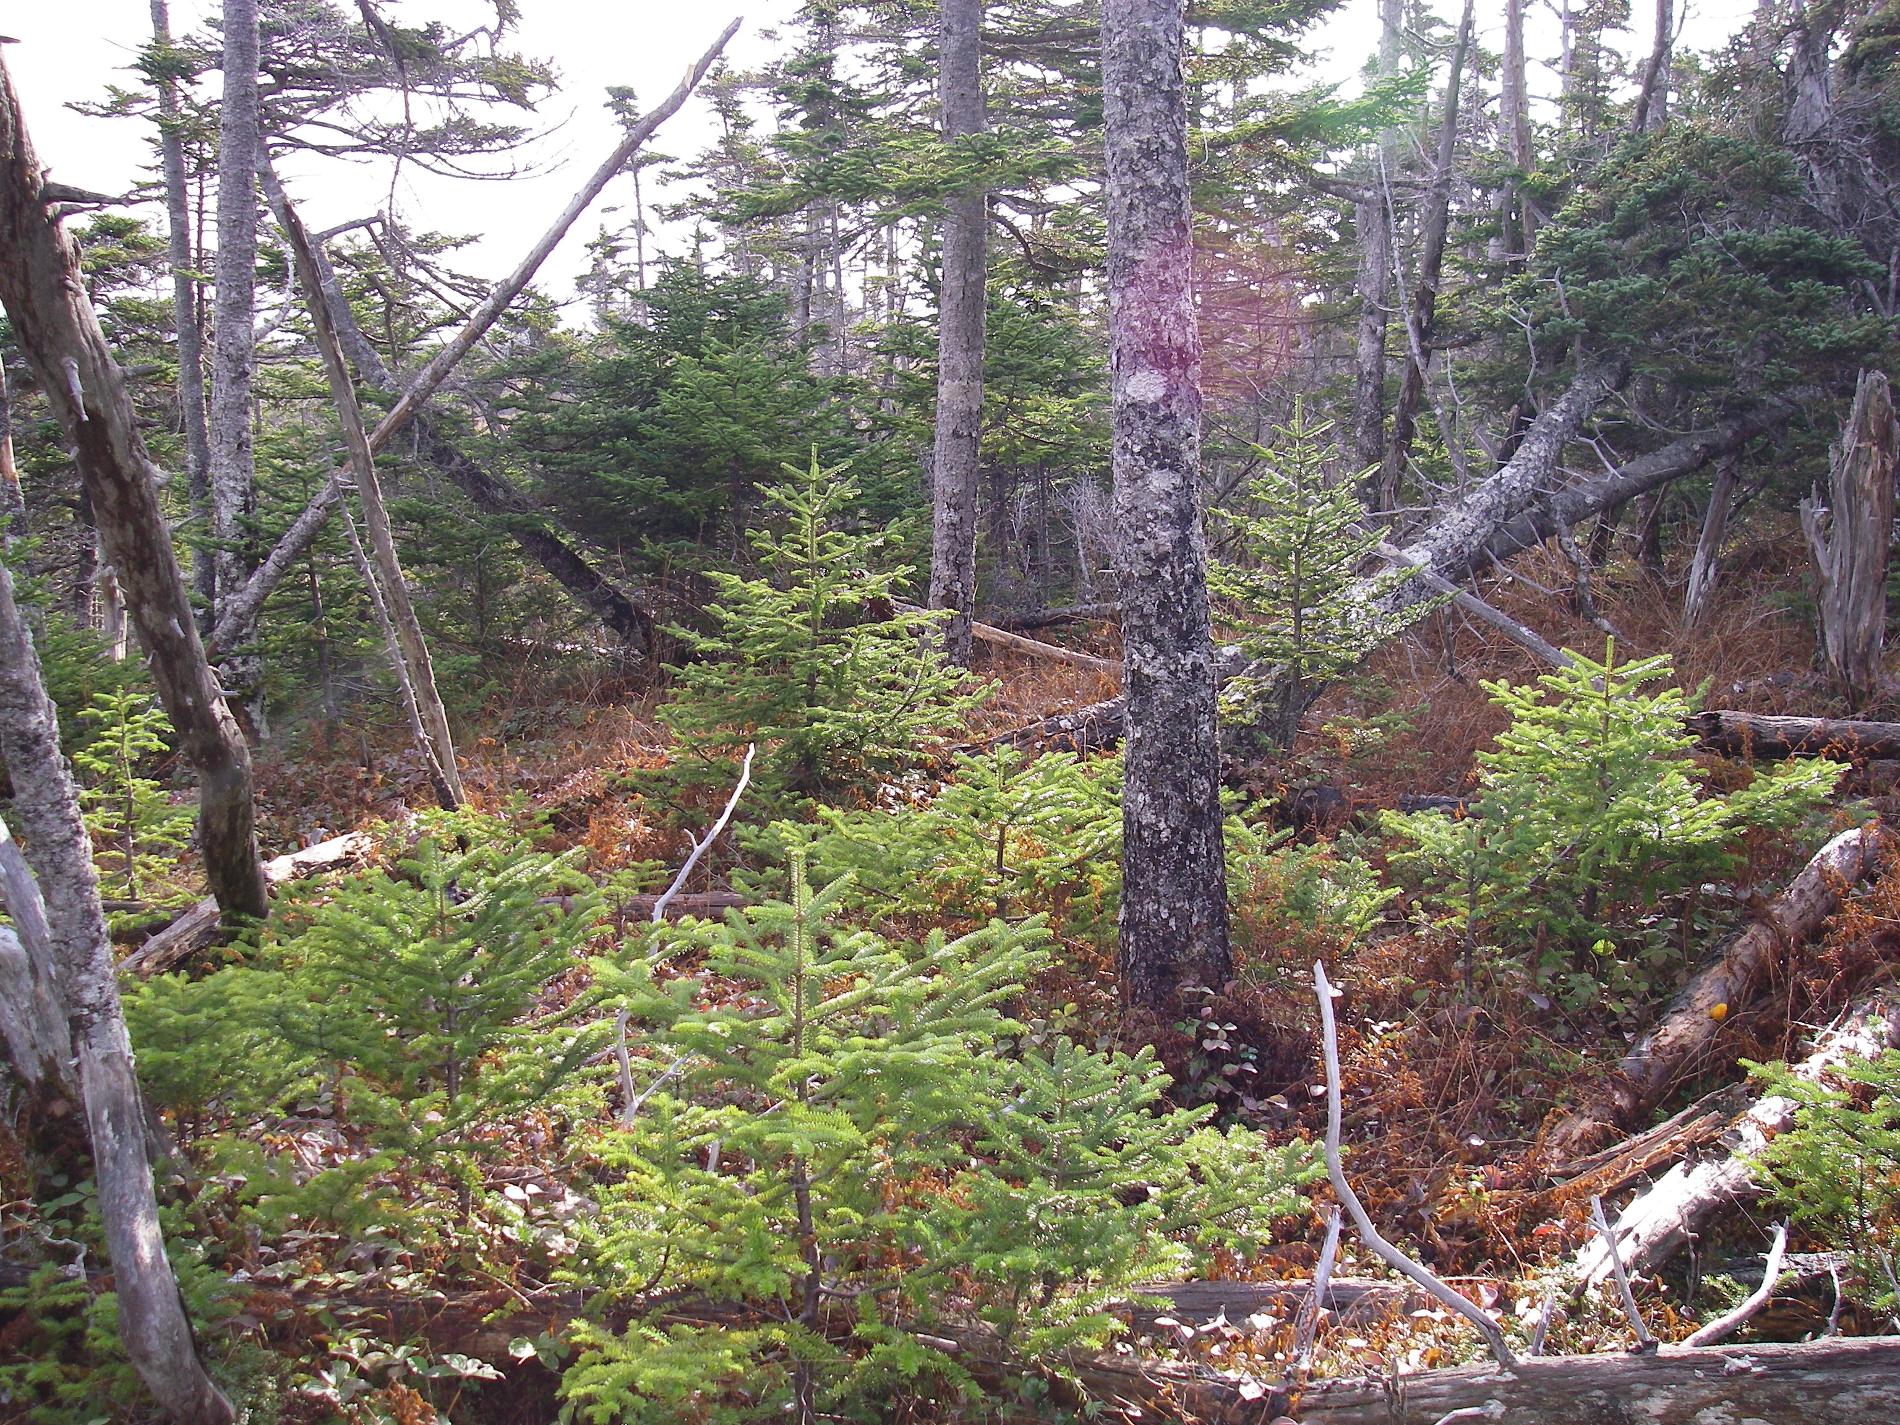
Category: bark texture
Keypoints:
(234, 356)
(1174, 902)
(74, 959)
(1850, 534)
(56, 328)
(961, 305)
(185, 305)
(1372, 225)
(1689, 1028)
(1706, 567)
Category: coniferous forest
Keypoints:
(1063, 710)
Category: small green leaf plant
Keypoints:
(851, 1148)
(138, 831)
(812, 659)
(1588, 816)
(1300, 541)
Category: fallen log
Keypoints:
(1664, 1219)
(1035, 648)
(194, 930)
(1686, 1033)
(1763, 738)
(1842, 1381)
(1355, 1299)
(1703, 1121)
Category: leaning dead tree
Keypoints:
(64, 1033)
(243, 605)
(57, 330)
(621, 612)
(1849, 533)
(381, 568)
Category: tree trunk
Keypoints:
(75, 961)
(1419, 323)
(415, 671)
(12, 500)
(1686, 1033)
(1850, 536)
(56, 328)
(185, 318)
(1517, 222)
(1670, 1214)
(1706, 566)
(1174, 899)
(961, 306)
(1761, 737)
(243, 605)
(1372, 225)
(234, 360)
(593, 591)
(1652, 103)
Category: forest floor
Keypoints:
(1447, 1089)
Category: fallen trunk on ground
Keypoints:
(1689, 1027)
(1755, 735)
(1665, 1218)
(1048, 618)
(1512, 511)
(1035, 648)
(193, 931)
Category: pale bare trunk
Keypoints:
(1372, 226)
(955, 463)
(382, 570)
(1518, 224)
(1850, 532)
(185, 313)
(234, 360)
(74, 962)
(1706, 566)
(1652, 102)
(59, 333)
(1174, 899)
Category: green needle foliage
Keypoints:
(1838, 1169)
(812, 659)
(844, 1148)
(1301, 539)
(139, 832)
(1588, 815)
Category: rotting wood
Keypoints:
(1765, 738)
(193, 931)
(1666, 1217)
(1850, 534)
(1689, 1027)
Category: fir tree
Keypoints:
(140, 829)
(813, 659)
(1302, 539)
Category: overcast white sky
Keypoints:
(70, 49)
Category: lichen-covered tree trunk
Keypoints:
(1174, 897)
(57, 330)
(234, 356)
(1372, 227)
(1850, 534)
(960, 307)
(61, 935)
(191, 357)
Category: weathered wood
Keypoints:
(1706, 566)
(1665, 1218)
(53, 321)
(1686, 1034)
(1844, 1382)
(1765, 738)
(193, 931)
(62, 928)
(1849, 534)
(1035, 648)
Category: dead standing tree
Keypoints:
(1174, 903)
(1850, 534)
(63, 1032)
(57, 330)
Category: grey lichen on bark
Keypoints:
(960, 338)
(1174, 901)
